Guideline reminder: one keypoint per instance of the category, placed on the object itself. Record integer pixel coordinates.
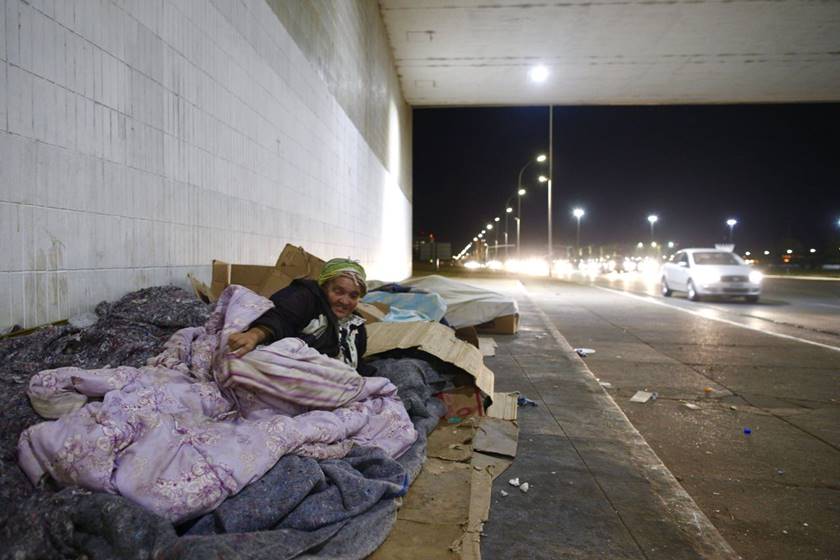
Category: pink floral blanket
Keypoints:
(197, 425)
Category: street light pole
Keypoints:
(731, 223)
(550, 177)
(653, 218)
(521, 191)
(578, 213)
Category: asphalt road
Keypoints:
(748, 409)
(805, 308)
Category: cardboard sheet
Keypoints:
(435, 339)
(487, 346)
(504, 406)
(293, 262)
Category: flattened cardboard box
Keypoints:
(293, 262)
(506, 324)
(435, 339)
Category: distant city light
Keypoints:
(508, 209)
(521, 192)
(475, 238)
(747, 253)
(481, 235)
(538, 74)
(489, 227)
(670, 244)
(496, 219)
(653, 244)
(640, 245)
(542, 178)
(812, 250)
(766, 252)
(541, 158)
(789, 251)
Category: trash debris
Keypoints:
(584, 352)
(503, 493)
(733, 407)
(643, 396)
(525, 486)
(605, 384)
(692, 406)
(780, 472)
(747, 431)
(525, 401)
(804, 524)
(708, 390)
(553, 472)
(514, 481)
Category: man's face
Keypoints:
(343, 296)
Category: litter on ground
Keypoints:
(584, 352)
(514, 481)
(643, 397)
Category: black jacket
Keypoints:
(295, 306)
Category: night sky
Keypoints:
(775, 168)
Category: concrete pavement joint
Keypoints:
(718, 319)
(678, 500)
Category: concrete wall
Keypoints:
(141, 139)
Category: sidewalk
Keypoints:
(597, 490)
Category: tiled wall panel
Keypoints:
(140, 140)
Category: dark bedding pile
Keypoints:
(302, 508)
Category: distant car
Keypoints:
(710, 272)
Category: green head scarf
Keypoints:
(343, 267)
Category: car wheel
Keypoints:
(692, 292)
(666, 291)
(751, 299)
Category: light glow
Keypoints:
(538, 74)
(508, 209)
(521, 192)
(731, 222)
(578, 212)
(653, 218)
(542, 179)
(756, 276)
(541, 158)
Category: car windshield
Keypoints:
(717, 257)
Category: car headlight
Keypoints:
(756, 276)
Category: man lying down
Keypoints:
(214, 411)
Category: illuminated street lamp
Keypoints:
(670, 244)
(766, 253)
(521, 192)
(731, 223)
(489, 226)
(538, 74)
(578, 214)
(542, 179)
(653, 218)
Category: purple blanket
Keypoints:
(196, 426)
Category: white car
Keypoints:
(710, 272)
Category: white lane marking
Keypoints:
(706, 315)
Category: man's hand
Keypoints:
(242, 343)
